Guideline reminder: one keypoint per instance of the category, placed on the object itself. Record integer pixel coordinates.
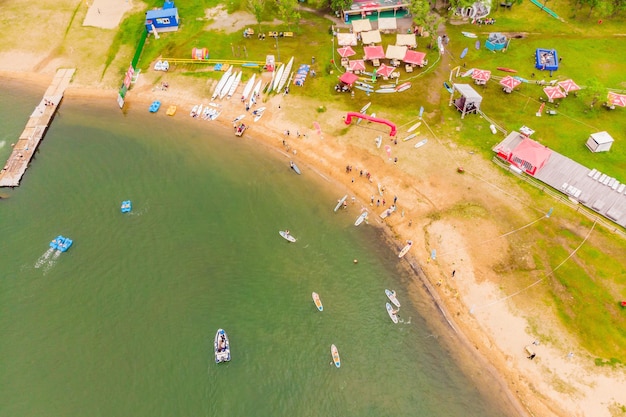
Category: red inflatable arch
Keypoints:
(352, 114)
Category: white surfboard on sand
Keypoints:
(415, 126)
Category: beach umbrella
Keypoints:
(481, 75)
(414, 57)
(374, 52)
(348, 78)
(385, 70)
(346, 51)
(568, 85)
(510, 82)
(615, 99)
(554, 92)
(356, 65)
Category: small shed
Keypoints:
(469, 102)
(162, 20)
(599, 142)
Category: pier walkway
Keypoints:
(25, 147)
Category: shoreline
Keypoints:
(327, 156)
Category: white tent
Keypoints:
(345, 39)
(406, 39)
(373, 36)
(395, 52)
(599, 142)
(362, 25)
(470, 100)
(387, 24)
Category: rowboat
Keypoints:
(221, 83)
(317, 301)
(285, 234)
(248, 88)
(411, 136)
(421, 143)
(340, 202)
(222, 346)
(415, 126)
(405, 249)
(335, 353)
(392, 297)
(361, 218)
(469, 35)
(392, 313)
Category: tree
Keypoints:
(424, 17)
(593, 91)
(288, 11)
(340, 4)
(256, 7)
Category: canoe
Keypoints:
(392, 297)
(171, 110)
(411, 136)
(361, 218)
(317, 301)
(392, 313)
(403, 87)
(469, 35)
(367, 89)
(285, 234)
(405, 249)
(340, 202)
(294, 167)
(464, 53)
(448, 87)
(506, 69)
(421, 143)
(221, 346)
(335, 353)
(415, 126)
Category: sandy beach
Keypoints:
(439, 208)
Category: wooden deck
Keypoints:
(36, 126)
(600, 192)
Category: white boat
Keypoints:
(221, 346)
(194, 111)
(233, 87)
(392, 297)
(317, 301)
(361, 218)
(405, 249)
(415, 126)
(285, 234)
(421, 143)
(411, 136)
(392, 313)
(239, 118)
(248, 88)
(258, 113)
(258, 117)
(255, 93)
(206, 112)
(227, 86)
(215, 114)
(340, 202)
(279, 75)
(285, 76)
(221, 83)
(268, 87)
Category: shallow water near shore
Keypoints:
(123, 323)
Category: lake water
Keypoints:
(123, 323)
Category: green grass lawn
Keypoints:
(584, 291)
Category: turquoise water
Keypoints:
(123, 323)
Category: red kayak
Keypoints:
(506, 69)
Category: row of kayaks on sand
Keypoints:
(209, 112)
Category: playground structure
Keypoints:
(199, 53)
(543, 7)
(546, 59)
(496, 42)
(478, 10)
(351, 114)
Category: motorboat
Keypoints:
(222, 346)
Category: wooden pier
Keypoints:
(25, 147)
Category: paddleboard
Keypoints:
(464, 53)
(421, 111)
(366, 89)
(364, 108)
(469, 35)
(385, 90)
(340, 202)
(335, 353)
(405, 250)
(392, 313)
(361, 218)
(421, 143)
(468, 72)
(387, 212)
(506, 69)
(379, 141)
(415, 126)
(285, 234)
(392, 297)
(238, 118)
(477, 44)
(411, 136)
(317, 301)
(403, 87)
(295, 167)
